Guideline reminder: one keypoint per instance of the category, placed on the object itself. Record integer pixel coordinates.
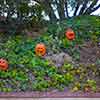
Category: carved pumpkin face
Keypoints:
(3, 64)
(40, 49)
(70, 34)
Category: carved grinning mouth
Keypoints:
(71, 35)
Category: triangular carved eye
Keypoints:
(2, 62)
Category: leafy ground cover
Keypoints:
(28, 72)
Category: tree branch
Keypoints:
(94, 9)
(89, 9)
(76, 9)
(83, 7)
(38, 1)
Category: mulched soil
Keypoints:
(89, 53)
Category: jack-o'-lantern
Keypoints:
(70, 34)
(40, 49)
(3, 64)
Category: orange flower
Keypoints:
(40, 49)
(70, 34)
(3, 64)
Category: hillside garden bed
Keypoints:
(69, 66)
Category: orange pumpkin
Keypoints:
(3, 64)
(70, 34)
(40, 49)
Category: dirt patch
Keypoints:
(89, 53)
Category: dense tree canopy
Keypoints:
(21, 12)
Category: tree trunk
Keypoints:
(66, 7)
(49, 10)
(76, 9)
(61, 10)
